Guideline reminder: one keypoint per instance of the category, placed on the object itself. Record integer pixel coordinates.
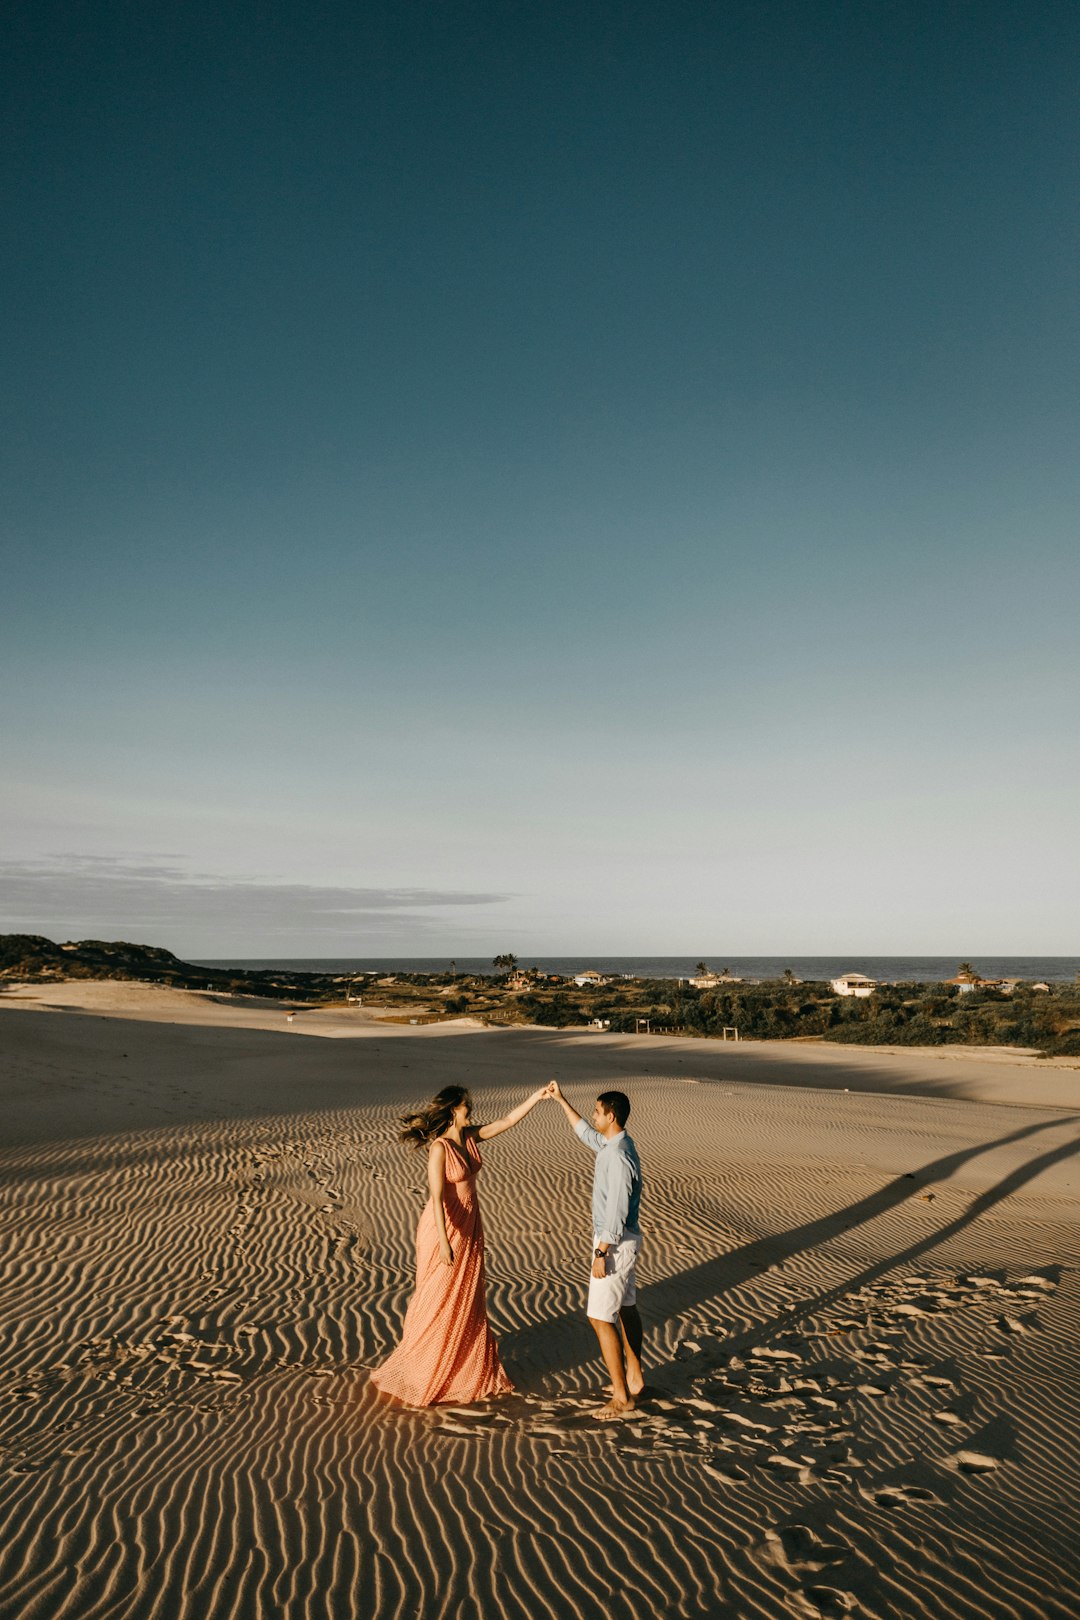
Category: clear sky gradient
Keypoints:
(550, 478)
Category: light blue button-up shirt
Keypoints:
(616, 1189)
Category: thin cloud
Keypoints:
(97, 896)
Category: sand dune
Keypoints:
(861, 1308)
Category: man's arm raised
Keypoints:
(554, 1090)
(583, 1131)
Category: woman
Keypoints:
(447, 1350)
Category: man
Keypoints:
(616, 1198)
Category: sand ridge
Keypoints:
(977, 1074)
(861, 1312)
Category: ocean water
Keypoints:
(901, 969)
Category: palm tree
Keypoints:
(508, 961)
(701, 968)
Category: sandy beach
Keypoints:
(859, 1289)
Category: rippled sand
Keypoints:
(860, 1304)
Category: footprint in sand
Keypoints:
(800, 1552)
(892, 1496)
(732, 1475)
(1047, 1278)
(791, 1467)
(747, 1423)
(972, 1462)
(1018, 1324)
(798, 1548)
(826, 1601)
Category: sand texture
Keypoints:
(859, 1287)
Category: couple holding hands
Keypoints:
(448, 1351)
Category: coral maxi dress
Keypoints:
(447, 1350)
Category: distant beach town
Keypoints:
(1027, 1003)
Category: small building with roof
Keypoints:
(854, 984)
(966, 980)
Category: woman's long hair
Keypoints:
(420, 1129)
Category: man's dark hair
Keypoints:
(616, 1103)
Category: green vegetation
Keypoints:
(937, 1015)
(895, 1015)
(775, 1010)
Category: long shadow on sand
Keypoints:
(553, 1346)
(934, 1072)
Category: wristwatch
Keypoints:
(599, 1254)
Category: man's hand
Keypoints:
(554, 1091)
(599, 1266)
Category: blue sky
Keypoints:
(551, 479)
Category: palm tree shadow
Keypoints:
(553, 1346)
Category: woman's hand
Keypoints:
(446, 1253)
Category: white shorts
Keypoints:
(608, 1294)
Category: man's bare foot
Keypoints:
(633, 1390)
(613, 1410)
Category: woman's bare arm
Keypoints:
(436, 1180)
(514, 1117)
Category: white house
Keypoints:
(854, 984)
(589, 979)
(710, 980)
